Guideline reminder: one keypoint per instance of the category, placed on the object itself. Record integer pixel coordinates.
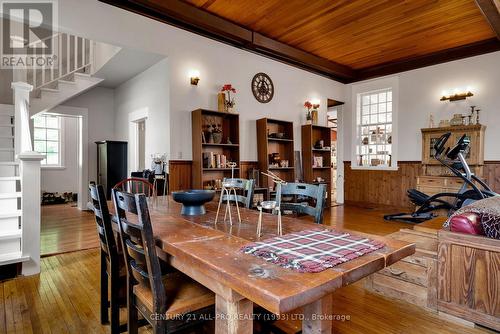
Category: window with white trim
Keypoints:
(47, 139)
(374, 129)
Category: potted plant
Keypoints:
(308, 105)
(229, 103)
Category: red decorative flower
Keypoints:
(228, 88)
(308, 105)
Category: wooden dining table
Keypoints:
(209, 253)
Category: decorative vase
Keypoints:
(217, 137)
(308, 121)
(221, 102)
(314, 114)
(230, 109)
(456, 120)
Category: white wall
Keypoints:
(100, 104)
(64, 179)
(144, 96)
(218, 64)
(420, 91)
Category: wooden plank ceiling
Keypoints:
(354, 39)
(359, 33)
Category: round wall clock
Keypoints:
(262, 87)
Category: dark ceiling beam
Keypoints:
(185, 16)
(286, 52)
(469, 50)
(188, 17)
(491, 11)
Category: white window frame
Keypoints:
(368, 87)
(60, 165)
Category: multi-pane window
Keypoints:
(374, 129)
(47, 138)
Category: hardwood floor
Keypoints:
(64, 298)
(66, 229)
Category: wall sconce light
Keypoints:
(456, 96)
(194, 77)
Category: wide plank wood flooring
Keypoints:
(66, 229)
(64, 298)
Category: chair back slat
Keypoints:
(137, 185)
(316, 192)
(140, 276)
(103, 222)
(139, 247)
(246, 187)
(136, 252)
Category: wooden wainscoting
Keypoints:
(381, 188)
(388, 188)
(491, 173)
(180, 177)
(181, 173)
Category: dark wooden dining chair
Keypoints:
(137, 185)
(245, 187)
(163, 301)
(113, 274)
(315, 192)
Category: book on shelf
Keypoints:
(214, 160)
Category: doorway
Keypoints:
(141, 144)
(334, 122)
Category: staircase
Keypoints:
(10, 195)
(36, 91)
(72, 76)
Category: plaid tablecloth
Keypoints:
(312, 250)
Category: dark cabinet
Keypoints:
(111, 163)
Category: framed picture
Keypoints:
(318, 161)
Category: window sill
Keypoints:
(391, 168)
(53, 167)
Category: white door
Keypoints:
(141, 144)
(340, 156)
(334, 120)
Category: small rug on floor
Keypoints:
(313, 250)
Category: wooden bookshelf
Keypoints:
(229, 123)
(310, 135)
(266, 144)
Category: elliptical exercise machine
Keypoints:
(473, 188)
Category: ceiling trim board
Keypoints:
(491, 12)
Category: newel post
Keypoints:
(30, 206)
(22, 136)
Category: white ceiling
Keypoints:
(125, 65)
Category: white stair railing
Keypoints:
(74, 54)
(30, 181)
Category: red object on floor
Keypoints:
(313, 250)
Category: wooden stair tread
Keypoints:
(183, 295)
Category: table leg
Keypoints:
(317, 316)
(233, 317)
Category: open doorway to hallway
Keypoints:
(334, 121)
(141, 144)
